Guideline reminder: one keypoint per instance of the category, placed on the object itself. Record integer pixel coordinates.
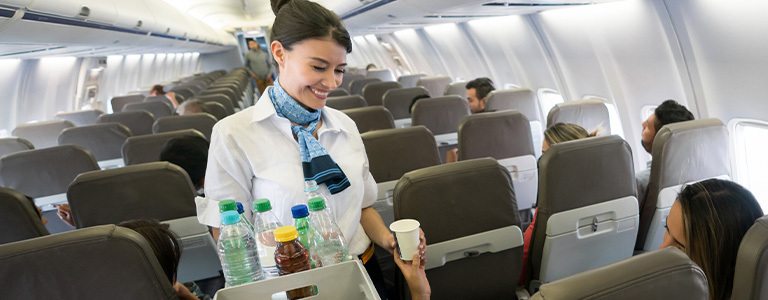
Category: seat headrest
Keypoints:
(81, 117)
(370, 118)
(663, 274)
(105, 141)
(140, 122)
(409, 81)
(158, 109)
(435, 85)
(440, 115)
(120, 101)
(398, 101)
(201, 122)
(383, 75)
(146, 148)
(500, 135)
(394, 152)
(356, 86)
(749, 281)
(584, 172)
(158, 190)
(373, 92)
(346, 102)
(19, 217)
(592, 114)
(523, 100)
(42, 134)
(45, 172)
(456, 88)
(14, 144)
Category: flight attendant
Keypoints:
(289, 136)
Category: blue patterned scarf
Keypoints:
(317, 164)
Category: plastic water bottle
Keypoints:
(237, 251)
(292, 257)
(243, 218)
(227, 205)
(327, 244)
(301, 221)
(313, 191)
(264, 224)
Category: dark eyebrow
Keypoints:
(326, 62)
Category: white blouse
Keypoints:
(253, 155)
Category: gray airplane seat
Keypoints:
(159, 190)
(381, 74)
(229, 93)
(101, 262)
(749, 281)
(80, 117)
(468, 213)
(506, 137)
(156, 108)
(338, 92)
(220, 98)
(394, 152)
(216, 109)
(356, 86)
(434, 85)
(42, 134)
(200, 122)
(346, 102)
(374, 92)
(587, 209)
(683, 153)
(139, 122)
(370, 118)
(398, 101)
(442, 116)
(13, 145)
(456, 88)
(347, 80)
(18, 218)
(104, 141)
(144, 149)
(664, 274)
(523, 100)
(159, 98)
(120, 101)
(185, 91)
(409, 81)
(592, 114)
(44, 174)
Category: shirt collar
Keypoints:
(264, 109)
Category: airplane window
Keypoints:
(4, 133)
(750, 141)
(548, 98)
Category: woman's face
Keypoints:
(674, 236)
(311, 70)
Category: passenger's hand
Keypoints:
(254, 76)
(452, 156)
(183, 292)
(422, 245)
(65, 214)
(415, 276)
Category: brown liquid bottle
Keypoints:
(292, 257)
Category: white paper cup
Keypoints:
(407, 237)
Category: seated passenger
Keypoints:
(707, 222)
(413, 272)
(158, 90)
(477, 90)
(667, 113)
(370, 67)
(167, 249)
(39, 211)
(193, 106)
(417, 98)
(191, 154)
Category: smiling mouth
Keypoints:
(319, 94)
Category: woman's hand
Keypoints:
(183, 292)
(415, 276)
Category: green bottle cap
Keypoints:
(227, 205)
(316, 204)
(262, 205)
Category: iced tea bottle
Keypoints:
(292, 257)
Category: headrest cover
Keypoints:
(592, 114)
(523, 100)
(201, 122)
(398, 101)
(435, 85)
(373, 92)
(346, 102)
(479, 135)
(440, 115)
(139, 122)
(394, 152)
(371, 118)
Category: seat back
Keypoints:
(398, 101)
(156, 108)
(80, 117)
(469, 212)
(18, 218)
(185, 91)
(200, 122)
(587, 208)
(370, 118)
(409, 81)
(42, 134)
(440, 115)
(394, 152)
(230, 94)
(222, 99)
(505, 136)
(373, 92)
(456, 88)
(749, 281)
(159, 98)
(104, 141)
(434, 85)
(525, 101)
(120, 101)
(13, 145)
(592, 114)
(217, 110)
(139, 122)
(44, 174)
(158, 190)
(347, 80)
(356, 86)
(664, 274)
(382, 74)
(338, 92)
(92, 263)
(683, 153)
(144, 149)
(346, 102)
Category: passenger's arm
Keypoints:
(452, 156)
(415, 276)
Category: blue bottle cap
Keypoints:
(240, 209)
(230, 217)
(299, 211)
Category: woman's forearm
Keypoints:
(375, 229)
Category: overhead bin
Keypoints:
(99, 11)
(136, 14)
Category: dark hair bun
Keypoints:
(277, 4)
